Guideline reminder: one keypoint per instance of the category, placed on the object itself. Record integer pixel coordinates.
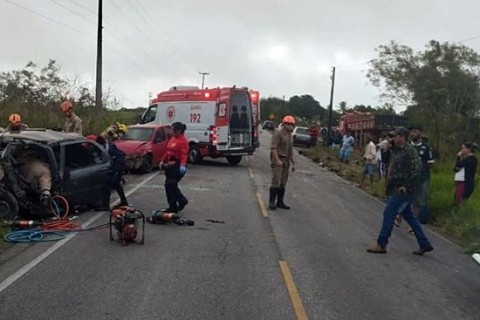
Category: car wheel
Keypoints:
(147, 163)
(194, 155)
(234, 160)
(8, 205)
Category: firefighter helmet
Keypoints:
(66, 106)
(288, 119)
(14, 118)
(122, 128)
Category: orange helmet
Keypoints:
(65, 106)
(288, 119)
(14, 118)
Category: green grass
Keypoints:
(460, 225)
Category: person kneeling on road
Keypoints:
(117, 160)
(281, 158)
(175, 165)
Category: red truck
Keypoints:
(362, 123)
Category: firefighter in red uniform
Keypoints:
(175, 165)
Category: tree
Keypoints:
(32, 86)
(306, 107)
(272, 105)
(440, 85)
(342, 106)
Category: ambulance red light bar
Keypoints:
(254, 96)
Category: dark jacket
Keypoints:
(117, 159)
(405, 167)
(470, 166)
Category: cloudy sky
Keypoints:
(280, 47)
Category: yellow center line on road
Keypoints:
(262, 206)
(292, 291)
(261, 203)
(250, 171)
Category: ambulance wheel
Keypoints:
(8, 205)
(234, 160)
(147, 163)
(194, 155)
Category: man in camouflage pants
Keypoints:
(72, 122)
(403, 176)
(281, 157)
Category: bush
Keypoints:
(94, 121)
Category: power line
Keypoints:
(83, 7)
(136, 10)
(72, 11)
(46, 17)
(146, 19)
(469, 39)
(143, 9)
(129, 20)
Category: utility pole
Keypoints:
(330, 107)
(203, 77)
(98, 89)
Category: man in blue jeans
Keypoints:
(403, 176)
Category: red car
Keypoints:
(145, 146)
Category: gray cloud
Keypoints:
(279, 47)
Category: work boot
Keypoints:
(280, 203)
(182, 203)
(273, 197)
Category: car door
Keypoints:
(159, 145)
(85, 171)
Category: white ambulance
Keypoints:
(220, 122)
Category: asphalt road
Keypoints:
(309, 262)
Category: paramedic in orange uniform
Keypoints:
(175, 165)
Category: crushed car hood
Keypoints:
(130, 146)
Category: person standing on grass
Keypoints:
(405, 169)
(336, 139)
(420, 201)
(370, 161)
(347, 147)
(465, 170)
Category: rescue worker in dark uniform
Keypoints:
(175, 165)
(117, 160)
(72, 122)
(281, 158)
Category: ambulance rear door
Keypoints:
(222, 123)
